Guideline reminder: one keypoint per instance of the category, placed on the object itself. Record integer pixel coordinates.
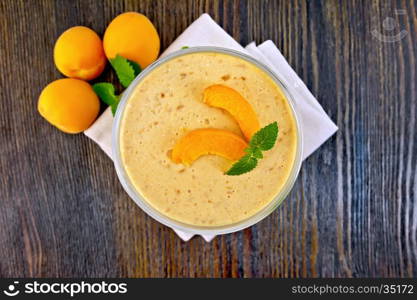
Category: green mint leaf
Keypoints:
(262, 140)
(257, 153)
(107, 93)
(185, 47)
(265, 138)
(136, 67)
(124, 70)
(113, 109)
(245, 164)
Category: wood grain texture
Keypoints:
(352, 212)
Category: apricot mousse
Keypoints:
(184, 125)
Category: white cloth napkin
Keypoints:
(316, 125)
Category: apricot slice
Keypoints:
(208, 141)
(133, 36)
(233, 102)
(79, 53)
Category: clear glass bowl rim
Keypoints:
(155, 214)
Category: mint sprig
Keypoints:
(107, 93)
(262, 140)
(265, 138)
(126, 70)
(136, 67)
(245, 164)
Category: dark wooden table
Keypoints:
(352, 212)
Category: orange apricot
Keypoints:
(206, 141)
(79, 53)
(233, 102)
(132, 36)
(69, 104)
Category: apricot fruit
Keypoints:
(206, 141)
(235, 104)
(69, 104)
(78, 53)
(133, 36)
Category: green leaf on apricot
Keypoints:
(136, 67)
(126, 70)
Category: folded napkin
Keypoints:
(317, 127)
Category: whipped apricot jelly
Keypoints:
(167, 104)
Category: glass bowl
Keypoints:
(202, 230)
